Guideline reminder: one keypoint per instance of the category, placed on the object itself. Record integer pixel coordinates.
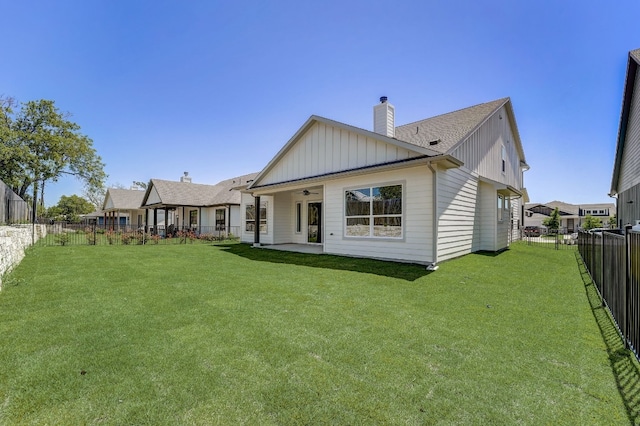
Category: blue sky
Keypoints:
(217, 88)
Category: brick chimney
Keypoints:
(384, 118)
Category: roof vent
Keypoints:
(384, 118)
(436, 142)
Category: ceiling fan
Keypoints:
(306, 192)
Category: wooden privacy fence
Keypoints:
(13, 209)
(612, 259)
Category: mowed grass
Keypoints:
(206, 334)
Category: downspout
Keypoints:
(434, 182)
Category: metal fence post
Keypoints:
(627, 285)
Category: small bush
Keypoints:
(91, 236)
(63, 239)
(110, 236)
(126, 238)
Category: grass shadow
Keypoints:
(623, 362)
(404, 271)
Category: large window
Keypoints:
(193, 218)
(374, 212)
(220, 220)
(250, 218)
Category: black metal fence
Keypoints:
(560, 240)
(612, 258)
(62, 234)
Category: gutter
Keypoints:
(432, 266)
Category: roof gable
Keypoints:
(447, 129)
(123, 199)
(324, 146)
(172, 193)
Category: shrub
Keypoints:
(110, 236)
(91, 236)
(63, 238)
(126, 238)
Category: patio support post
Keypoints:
(228, 219)
(166, 220)
(256, 222)
(200, 220)
(155, 221)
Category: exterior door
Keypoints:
(314, 221)
(570, 225)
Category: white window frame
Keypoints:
(263, 222)
(371, 217)
(224, 219)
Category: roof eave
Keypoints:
(630, 78)
(444, 160)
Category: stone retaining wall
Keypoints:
(14, 240)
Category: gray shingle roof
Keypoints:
(125, 199)
(449, 128)
(199, 195)
(636, 55)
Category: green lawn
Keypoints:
(206, 334)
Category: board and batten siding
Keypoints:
(628, 207)
(457, 212)
(282, 219)
(417, 244)
(327, 149)
(630, 165)
(481, 152)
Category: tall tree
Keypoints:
(70, 208)
(591, 222)
(95, 195)
(41, 144)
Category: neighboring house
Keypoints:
(98, 218)
(423, 192)
(625, 183)
(571, 215)
(196, 207)
(121, 207)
